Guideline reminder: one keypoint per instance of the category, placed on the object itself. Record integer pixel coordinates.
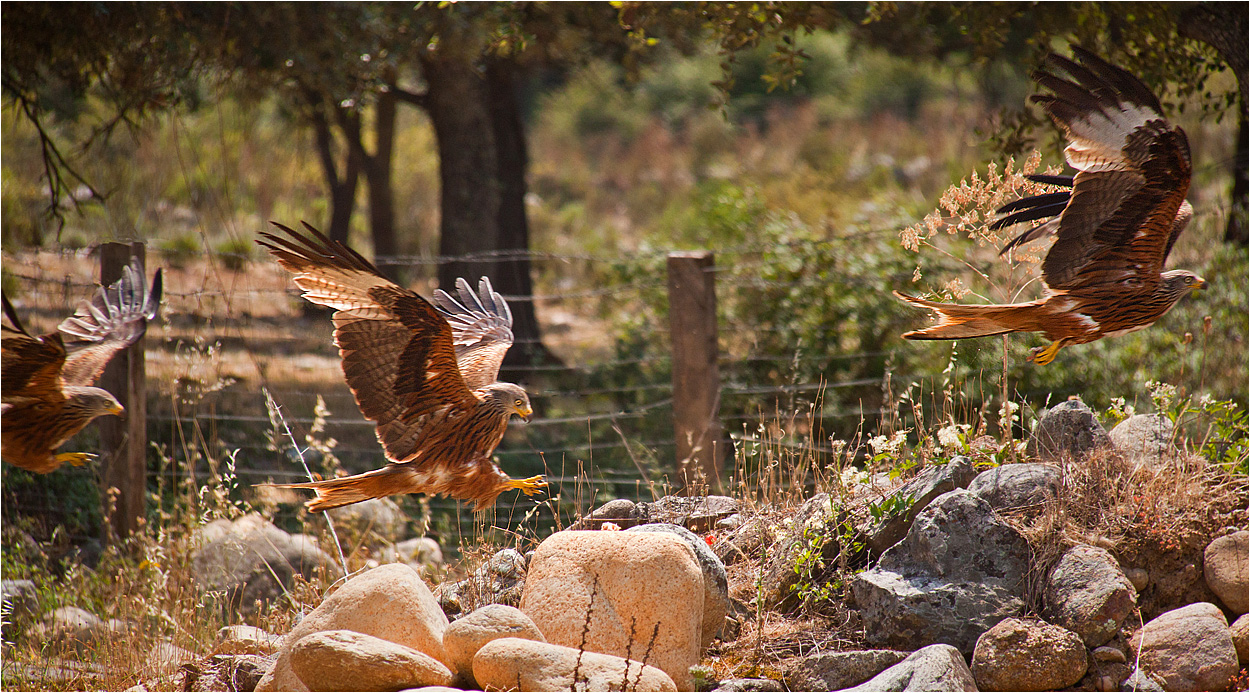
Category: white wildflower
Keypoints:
(952, 436)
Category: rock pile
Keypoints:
(599, 611)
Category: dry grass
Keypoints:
(1159, 518)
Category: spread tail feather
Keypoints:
(335, 493)
(964, 322)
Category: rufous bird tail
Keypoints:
(335, 493)
(957, 321)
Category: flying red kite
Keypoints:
(1104, 274)
(426, 373)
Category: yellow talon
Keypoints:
(1044, 356)
(75, 459)
(529, 486)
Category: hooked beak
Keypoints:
(526, 414)
(117, 410)
(1201, 284)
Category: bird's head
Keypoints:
(97, 402)
(1180, 282)
(513, 400)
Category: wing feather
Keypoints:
(398, 354)
(30, 367)
(116, 317)
(1132, 176)
(481, 324)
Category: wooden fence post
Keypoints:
(696, 376)
(124, 440)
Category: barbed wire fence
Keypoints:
(233, 327)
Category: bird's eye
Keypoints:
(1189, 280)
(518, 403)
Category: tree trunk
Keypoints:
(377, 170)
(468, 169)
(381, 194)
(512, 272)
(1222, 25)
(1237, 230)
(342, 190)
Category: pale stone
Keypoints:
(1106, 653)
(529, 665)
(1187, 649)
(1020, 655)
(1226, 563)
(829, 671)
(389, 602)
(1087, 593)
(164, 658)
(620, 593)
(344, 660)
(1238, 633)
(1144, 438)
(932, 668)
(251, 561)
(234, 640)
(466, 635)
(715, 580)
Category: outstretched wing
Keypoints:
(1038, 207)
(112, 320)
(481, 326)
(398, 355)
(30, 367)
(1133, 171)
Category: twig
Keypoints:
(276, 413)
(581, 647)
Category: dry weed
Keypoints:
(1159, 517)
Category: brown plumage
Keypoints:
(46, 380)
(1104, 274)
(425, 373)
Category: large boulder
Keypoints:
(715, 580)
(959, 571)
(1187, 649)
(389, 602)
(344, 660)
(252, 561)
(422, 554)
(1067, 431)
(71, 628)
(465, 636)
(637, 595)
(922, 489)
(21, 598)
(1020, 655)
(831, 671)
(1225, 563)
(932, 668)
(1026, 486)
(697, 513)
(1144, 438)
(527, 665)
(1087, 593)
(373, 521)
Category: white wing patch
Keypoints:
(338, 288)
(1099, 138)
